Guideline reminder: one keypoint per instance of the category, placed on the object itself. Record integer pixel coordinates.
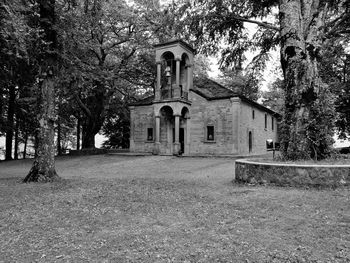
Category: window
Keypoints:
(150, 134)
(265, 121)
(253, 114)
(269, 144)
(210, 133)
(272, 123)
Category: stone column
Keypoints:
(157, 143)
(188, 135)
(157, 91)
(132, 131)
(157, 129)
(189, 77)
(178, 71)
(177, 133)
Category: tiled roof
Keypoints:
(145, 101)
(210, 89)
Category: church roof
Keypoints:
(211, 90)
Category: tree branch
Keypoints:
(338, 22)
(262, 24)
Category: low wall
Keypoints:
(255, 172)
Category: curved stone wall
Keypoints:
(257, 172)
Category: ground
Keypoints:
(165, 209)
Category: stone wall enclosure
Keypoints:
(259, 172)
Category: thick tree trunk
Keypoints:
(43, 169)
(88, 138)
(10, 122)
(300, 50)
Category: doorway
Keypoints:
(250, 142)
(181, 139)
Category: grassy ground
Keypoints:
(164, 209)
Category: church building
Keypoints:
(197, 116)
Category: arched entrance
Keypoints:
(250, 141)
(167, 123)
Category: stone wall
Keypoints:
(217, 113)
(141, 118)
(256, 126)
(255, 172)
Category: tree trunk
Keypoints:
(78, 134)
(59, 148)
(16, 139)
(10, 122)
(25, 145)
(88, 138)
(304, 134)
(43, 169)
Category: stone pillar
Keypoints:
(188, 135)
(178, 71)
(157, 90)
(237, 147)
(132, 130)
(177, 133)
(157, 143)
(189, 77)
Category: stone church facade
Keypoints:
(197, 116)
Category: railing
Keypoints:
(170, 91)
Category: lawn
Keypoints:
(165, 209)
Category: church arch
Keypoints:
(166, 112)
(185, 113)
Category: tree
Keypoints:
(274, 97)
(43, 168)
(246, 84)
(300, 28)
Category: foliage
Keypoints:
(273, 98)
(301, 29)
(117, 125)
(246, 84)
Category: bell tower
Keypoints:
(171, 101)
(174, 70)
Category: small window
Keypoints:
(210, 133)
(269, 144)
(272, 123)
(150, 134)
(253, 114)
(265, 121)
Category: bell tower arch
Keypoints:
(174, 70)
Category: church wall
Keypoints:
(217, 113)
(256, 126)
(141, 118)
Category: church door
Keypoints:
(250, 142)
(182, 139)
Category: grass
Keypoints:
(149, 218)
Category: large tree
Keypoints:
(43, 168)
(300, 28)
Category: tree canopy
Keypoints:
(301, 29)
